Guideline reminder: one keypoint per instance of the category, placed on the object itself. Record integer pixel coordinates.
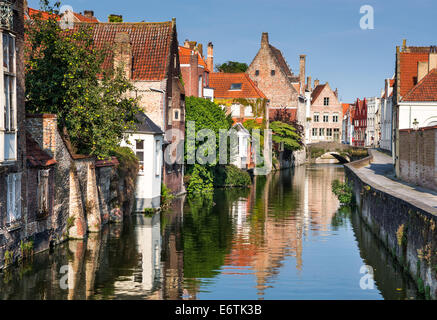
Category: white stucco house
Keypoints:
(373, 104)
(241, 157)
(147, 144)
(386, 114)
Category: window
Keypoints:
(176, 115)
(272, 73)
(316, 117)
(314, 132)
(43, 192)
(235, 110)
(329, 132)
(200, 87)
(256, 72)
(248, 111)
(336, 134)
(326, 101)
(157, 157)
(139, 152)
(335, 117)
(8, 108)
(322, 132)
(236, 86)
(243, 146)
(325, 117)
(13, 197)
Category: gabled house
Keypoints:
(148, 52)
(146, 142)
(241, 98)
(273, 76)
(373, 106)
(360, 123)
(326, 114)
(414, 103)
(386, 116)
(194, 69)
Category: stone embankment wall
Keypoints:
(407, 230)
(418, 158)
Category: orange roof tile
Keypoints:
(184, 57)
(221, 82)
(83, 18)
(151, 44)
(425, 90)
(35, 156)
(408, 69)
(345, 107)
(44, 15)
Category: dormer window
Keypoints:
(272, 72)
(236, 86)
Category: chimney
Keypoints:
(115, 18)
(264, 40)
(302, 70)
(422, 69)
(123, 53)
(200, 49)
(404, 45)
(316, 83)
(433, 58)
(186, 43)
(210, 57)
(309, 83)
(88, 13)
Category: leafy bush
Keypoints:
(231, 176)
(343, 191)
(201, 180)
(166, 196)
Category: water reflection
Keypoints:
(283, 238)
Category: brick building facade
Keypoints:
(273, 76)
(195, 71)
(13, 201)
(326, 114)
(360, 123)
(149, 54)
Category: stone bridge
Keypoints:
(323, 152)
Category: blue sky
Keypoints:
(353, 60)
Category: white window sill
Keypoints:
(8, 162)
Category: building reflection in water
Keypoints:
(179, 253)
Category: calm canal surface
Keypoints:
(284, 238)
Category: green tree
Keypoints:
(232, 67)
(65, 76)
(287, 134)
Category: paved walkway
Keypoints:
(381, 173)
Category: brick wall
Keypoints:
(418, 158)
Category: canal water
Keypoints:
(286, 237)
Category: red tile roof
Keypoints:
(44, 15)
(425, 90)
(83, 18)
(184, 57)
(35, 156)
(151, 44)
(408, 69)
(221, 82)
(345, 107)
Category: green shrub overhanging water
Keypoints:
(343, 191)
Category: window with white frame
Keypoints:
(326, 101)
(322, 132)
(335, 117)
(326, 117)
(329, 132)
(248, 111)
(157, 157)
(139, 152)
(8, 109)
(235, 110)
(13, 197)
(314, 132)
(316, 117)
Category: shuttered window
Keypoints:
(43, 192)
(13, 200)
